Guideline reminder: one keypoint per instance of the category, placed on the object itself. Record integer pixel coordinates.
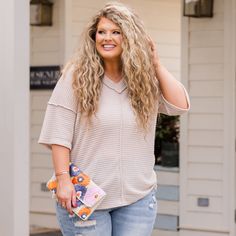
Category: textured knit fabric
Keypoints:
(114, 152)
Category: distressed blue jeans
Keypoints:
(136, 219)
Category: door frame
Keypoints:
(229, 165)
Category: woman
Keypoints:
(102, 116)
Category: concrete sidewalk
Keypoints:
(50, 232)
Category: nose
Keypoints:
(107, 36)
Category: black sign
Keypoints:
(44, 77)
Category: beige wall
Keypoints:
(206, 145)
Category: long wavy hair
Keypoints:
(137, 66)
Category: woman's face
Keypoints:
(108, 40)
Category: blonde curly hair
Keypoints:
(137, 68)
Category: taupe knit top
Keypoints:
(114, 152)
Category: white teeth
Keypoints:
(108, 46)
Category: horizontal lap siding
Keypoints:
(204, 188)
(46, 41)
(161, 19)
(206, 72)
(205, 138)
(204, 154)
(45, 220)
(203, 220)
(215, 174)
(206, 105)
(204, 176)
(206, 88)
(46, 49)
(206, 121)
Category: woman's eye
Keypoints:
(116, 32)
(100, 32)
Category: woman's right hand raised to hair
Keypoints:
(155, 57)
(66, 194)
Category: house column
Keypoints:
(14, 118)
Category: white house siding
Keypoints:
(46, 49)
(54, 45)
(161, 18)
(203, 171)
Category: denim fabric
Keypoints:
(136, 219)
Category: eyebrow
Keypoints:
(101, 28)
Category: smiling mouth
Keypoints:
(108, 46)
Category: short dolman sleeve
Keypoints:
(60, 116)
(167, 108)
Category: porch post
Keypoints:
(14, 118)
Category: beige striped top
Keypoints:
(114, 152)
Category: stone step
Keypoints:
(158, 232)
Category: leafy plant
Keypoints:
(167, 131)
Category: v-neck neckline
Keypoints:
(118, 87)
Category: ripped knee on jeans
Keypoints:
(86, 223)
